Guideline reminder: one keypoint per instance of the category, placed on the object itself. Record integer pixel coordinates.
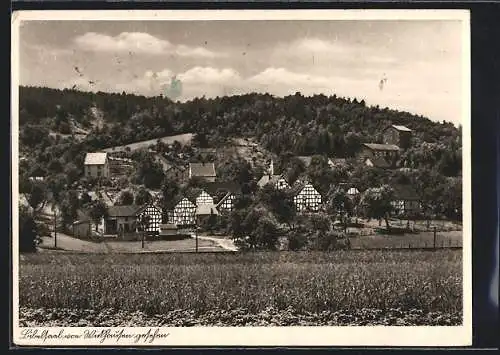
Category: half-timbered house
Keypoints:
(406, 201)
(154, 214)
(183, 213)
(306, 197)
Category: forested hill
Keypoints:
(301, 125)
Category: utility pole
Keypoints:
(55, 228)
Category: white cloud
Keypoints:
(210, 76)
(138, 42)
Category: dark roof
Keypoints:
(192, 193)
(298, 186)
(202, 169)
(405, 192)
(384, 147)
(213, 188)
(123, 211)
(379, 162)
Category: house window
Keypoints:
(98, 173)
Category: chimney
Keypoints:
(271, 169)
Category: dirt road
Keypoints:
(226, 244)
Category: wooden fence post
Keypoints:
(434, 237)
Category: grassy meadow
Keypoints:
(314, 288)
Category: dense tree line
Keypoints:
(319, 124)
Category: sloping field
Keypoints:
(181, 138)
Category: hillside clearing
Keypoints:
(181, 138)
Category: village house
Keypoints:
(205, 171)
(397, 135)
(306, 197)
(183, 213)
(123, 220)
(406, 201)
(277, 180)
(83, 226)
(177, 173)
(173, 171)
(381, 155)
(96, 165)
(223, 194)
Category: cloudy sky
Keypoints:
(418, 62)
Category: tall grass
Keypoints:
(308, 282)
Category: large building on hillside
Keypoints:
(96, 165)
(397, 135)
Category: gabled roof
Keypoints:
(202, 169)
(193, 193)
(379, 162)
(405, 192)
(123, 211)
(383, 147)
(95, 158)
(299, 185)
(401, 128)
(179, 200)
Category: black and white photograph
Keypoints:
(253, 177)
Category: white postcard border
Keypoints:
(252, 336)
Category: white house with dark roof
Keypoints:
(96, 165)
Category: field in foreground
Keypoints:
(339, 288)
